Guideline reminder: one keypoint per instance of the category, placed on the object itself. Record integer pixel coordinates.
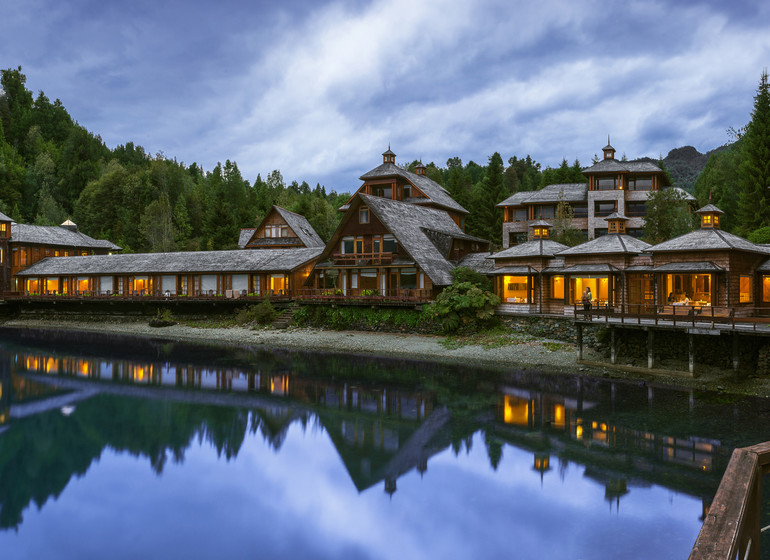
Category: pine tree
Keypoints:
(754, 169)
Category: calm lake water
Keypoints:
(124, 448)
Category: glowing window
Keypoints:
(745, 290)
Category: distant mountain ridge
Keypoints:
(685, 164)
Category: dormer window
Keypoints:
(407, 191)
(363, 215)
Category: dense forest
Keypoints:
(52, 169)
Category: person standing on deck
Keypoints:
(587, 297)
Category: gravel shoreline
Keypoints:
(546, 355)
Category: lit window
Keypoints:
(557, 287)
(745, 290)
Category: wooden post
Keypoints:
(579, 341)
(650, 353)
(691, 352)
(613, 346)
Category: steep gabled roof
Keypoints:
(57, 236)
(424, 233)
(297, 223)
(436, 193)
(267, 260)
(301, 227)
(410, 225)
(708, 239)
(607, 245)
(245, 236)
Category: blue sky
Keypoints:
(319, 89)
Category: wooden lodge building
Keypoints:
(23, 245)
(612, 186)
(400, 238)
(277, 258)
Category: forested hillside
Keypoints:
(51, 169)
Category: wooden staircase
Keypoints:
(285, 318)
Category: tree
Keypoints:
(157, 225)
(563, 231)
(718, 184)
(668, 216)
(754, 169)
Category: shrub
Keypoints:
(463, 305)
(261, 313)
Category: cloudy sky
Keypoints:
(319, 89)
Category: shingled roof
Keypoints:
(4, 218)
(607, 245)
(415, 227)
(245, 236)
(573, 192)
(533, 248)
(268, 260)
(436, 193)
(614, 166)
(57, 236)
(708, 239)
(301, 227)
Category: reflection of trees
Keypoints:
(40, 454)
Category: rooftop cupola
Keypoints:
(540, 229)
(616, 223)
(421, 169)
(70, 225)
(388, 156)
(609, 151)
(709, 216)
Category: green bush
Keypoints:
(464, 306)
(364, 318)
(261, 313)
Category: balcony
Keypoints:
(362, 259)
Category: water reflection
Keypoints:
(61, 411)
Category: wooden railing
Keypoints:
(359, 294)
(732, 528)
(361, 259)
(147, 294)
(675, 314)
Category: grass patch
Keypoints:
(487, 339)
(210, 323)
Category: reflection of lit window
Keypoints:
(50, 365)
(279, 384)
(515, 411)
(558, 415)
(579, 432)
(83, 368)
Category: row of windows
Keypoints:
(682, 289)
(380, 244)
(641, 183)
(277, 231)
(601, 208)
